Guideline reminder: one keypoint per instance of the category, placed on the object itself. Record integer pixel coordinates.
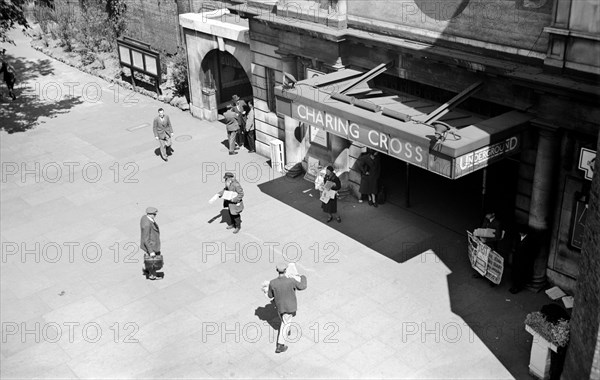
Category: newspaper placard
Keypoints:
(485, 260)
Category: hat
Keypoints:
(228, 174)
(151, 210)
(235, 97)
(281, 267)
(330, 168)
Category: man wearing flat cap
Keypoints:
(234, 203)
(150, 242)
(233, 127)
(283, 290)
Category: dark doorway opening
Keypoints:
(441, 199)
(222, 72)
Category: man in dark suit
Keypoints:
(163, 132)
(150, 240)
(493, 223)
(232, 125)
(235, 205)
(251, 130)
(522, 263)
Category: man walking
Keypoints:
(283, 290)
(150, 243)
(233, 201)
(250, 130)
(9, 78)
(239, 107)
(163, 132)
(231, 121)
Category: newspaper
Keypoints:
(555, 293)
(292, 272)
(229, 195)
(485, 232)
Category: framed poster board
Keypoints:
(318, 136)
(578, 224)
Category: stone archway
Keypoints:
(222, 72)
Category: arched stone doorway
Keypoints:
(222, 72)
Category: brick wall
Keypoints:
(585, 321)
(155, 22)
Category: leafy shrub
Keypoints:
(179, 74)
(557, 333)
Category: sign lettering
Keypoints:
(483, 157)
(383, 142)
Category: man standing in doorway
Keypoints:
(250, 129)
(163, 132)
(283, 290)
(231, 122)
(239, 107)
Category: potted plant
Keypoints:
(547, 336)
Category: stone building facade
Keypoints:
(525, 71)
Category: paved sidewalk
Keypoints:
(75, 304)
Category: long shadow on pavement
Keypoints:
(493, 314)
(31, 104)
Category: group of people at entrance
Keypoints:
(239, 120)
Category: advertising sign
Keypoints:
(482, 157)
(485, 260)
(587, 158)
(370, 137)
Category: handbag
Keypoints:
(236, 208)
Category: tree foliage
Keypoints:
(11, 14)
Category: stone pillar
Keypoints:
(583, 351)
(540, 209)
(209, 104)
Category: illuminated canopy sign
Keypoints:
(383, 142)
(409, 151)
(480, 158)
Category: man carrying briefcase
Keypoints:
(150, 244)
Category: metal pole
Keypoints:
(483, 189)
(407, 186)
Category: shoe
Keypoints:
(152, 277)
(165, 159)
(329, 219)
(339, 220)
(281, 348)
(370, 203)
(232, 153)
(360, 201)
(375, 205)
(230, 226)
(236, 230)
(251, 151)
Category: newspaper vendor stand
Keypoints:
(486, 261)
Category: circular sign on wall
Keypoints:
(442, 10)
